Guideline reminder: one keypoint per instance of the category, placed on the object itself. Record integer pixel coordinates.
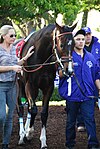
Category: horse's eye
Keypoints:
(61, 45)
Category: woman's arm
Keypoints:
(15, 68)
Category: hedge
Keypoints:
(55, 95)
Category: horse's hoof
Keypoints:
(21, 142)
(29, 133)
(26, 140)
(45, 147)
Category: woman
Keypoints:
(9, 66)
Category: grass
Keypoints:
(53, 103)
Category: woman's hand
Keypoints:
(29, 53)
(17, 68)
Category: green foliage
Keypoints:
(55, 95)
(88, 5)
(23, 11)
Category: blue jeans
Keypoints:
(87, 109)
(8, 96)
(80, 119)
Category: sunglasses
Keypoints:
(12, 35)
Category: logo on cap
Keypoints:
(87, 29)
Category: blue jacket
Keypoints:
(86, 71)
(96, 49)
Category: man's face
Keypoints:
(88, 38)
(79, 41)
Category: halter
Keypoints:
(60, 60)
(54, 50)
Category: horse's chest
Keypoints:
(42, 79)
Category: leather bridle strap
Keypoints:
(66, 33)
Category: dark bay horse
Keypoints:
(51, 44)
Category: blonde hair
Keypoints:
(4, 30)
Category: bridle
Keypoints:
(63, 59)
(54, 51)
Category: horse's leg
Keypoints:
(44, 116)
(29, 126)
(21, 127)
(20, 110)
(32, 112)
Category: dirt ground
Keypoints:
(55, 131)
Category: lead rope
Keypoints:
(95, 97)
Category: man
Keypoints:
(85, 69)
(92, 45)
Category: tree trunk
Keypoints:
(85, 17)
(4, 21)
(30, 27)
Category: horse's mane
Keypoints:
(41, 37)
(47, 30)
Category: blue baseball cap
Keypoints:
(87, 30)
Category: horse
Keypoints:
(53, 48)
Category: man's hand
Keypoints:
(99, 103)
(99, 99)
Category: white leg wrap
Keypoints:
(28, 131)
(21, 131)
(43, 137)
(27, 124)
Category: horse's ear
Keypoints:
(58, 26)
(73, 26)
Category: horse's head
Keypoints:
(64, 43)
